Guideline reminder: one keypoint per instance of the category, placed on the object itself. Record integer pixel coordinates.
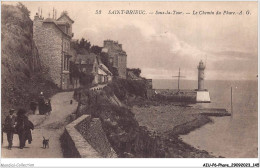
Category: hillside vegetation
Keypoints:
(126, 136)
(22, 75)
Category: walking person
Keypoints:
(41, 104)
(23, 127)
(33, 106)
(48, 107)
(9, 127)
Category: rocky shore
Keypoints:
(169, 120)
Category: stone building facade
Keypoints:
(117, 56)
(90, 64)
(52, 38)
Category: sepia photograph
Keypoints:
(93, 79)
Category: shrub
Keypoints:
(125, 87)
(86, 79)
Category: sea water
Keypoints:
(231, 137)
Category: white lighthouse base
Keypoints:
(202, 96)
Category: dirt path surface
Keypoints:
(51, 126)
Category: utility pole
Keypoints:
(231, 103)
(179, 76)
(53, 13)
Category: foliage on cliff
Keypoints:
(22, 76)
(136, 71)
(81, 47)
(118, 121)
(123, 88)
(125, 135)
(119, 124)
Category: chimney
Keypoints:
(36, 17)
(53, 13)
(41, 12)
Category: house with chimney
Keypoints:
(52, 38)
(89, 63)
(117, 56)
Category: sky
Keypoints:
(161, 44)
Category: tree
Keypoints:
(96, 49)
(86, 79)
(24, 9)
(105, 59)
(74, 70)
(114, 71)
(136, 71)
(84, 44)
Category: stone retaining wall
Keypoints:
(93, 132)
(85, 138)
(74, 144)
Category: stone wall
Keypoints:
(65, 80)
(122, 61)
(118, 56)
(48, 40)
(94, 134)
(73, 143)
(85, 138)
(52, 45)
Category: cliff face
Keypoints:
(22, 76)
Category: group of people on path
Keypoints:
(18, 124)
(44, 105)
(21, 125)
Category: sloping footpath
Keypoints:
(51, 127)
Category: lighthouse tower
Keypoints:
(201, 69)
(202, 93)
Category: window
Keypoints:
(66, 63)
(66, 46)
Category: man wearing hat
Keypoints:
(9, 127)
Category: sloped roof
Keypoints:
(62, 23)
(104, 68)
(65, 15)
(101, 72)
(48, 20)
(53, 21)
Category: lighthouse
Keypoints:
(201, 69)
(202, 93)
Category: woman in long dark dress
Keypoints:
(23, 127)
(41, 103)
